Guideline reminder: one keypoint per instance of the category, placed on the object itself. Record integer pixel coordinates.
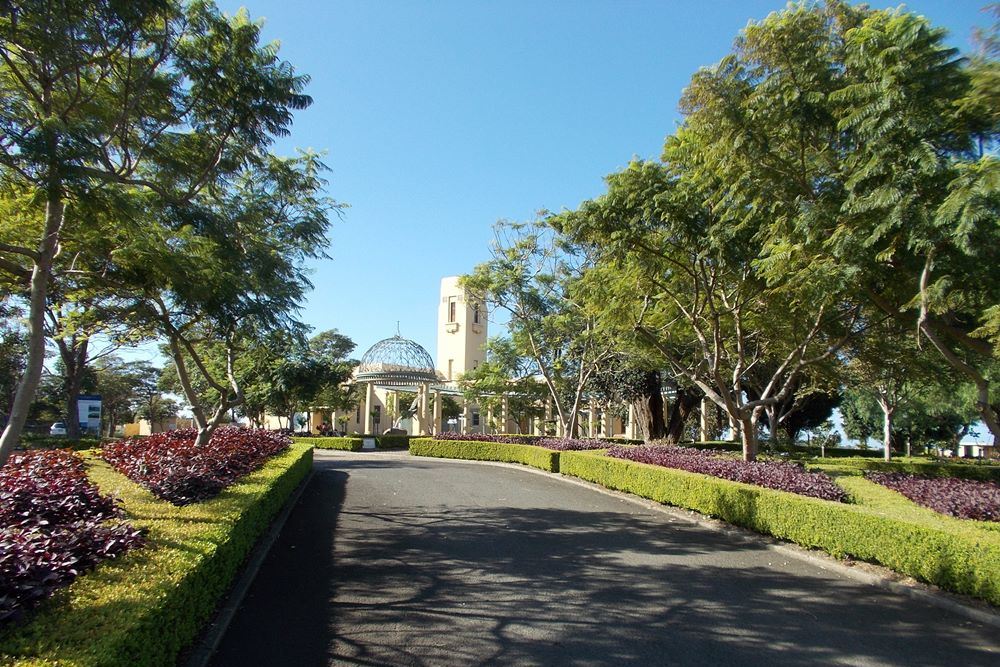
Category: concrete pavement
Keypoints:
(393, 560)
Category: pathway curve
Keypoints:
(393, 560)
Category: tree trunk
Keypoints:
(649, 408)
(887, 413)
(74, 357)
(748, 437)
(687, 400)
(28, 384)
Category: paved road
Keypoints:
(389, 560)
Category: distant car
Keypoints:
(58, 428)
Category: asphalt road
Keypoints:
(392, 560)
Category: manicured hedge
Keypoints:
(959, 556)
(392, 441)
(348, 444)
(536, 457)
(981, 472)
(143, 609)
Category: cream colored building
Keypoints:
(396, 365)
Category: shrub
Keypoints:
(143, 609)
(959, 556)
(964, 498)
(347, 444)
(536, 457)
(54, 524)
(780, 475)
(392, 441)
(175, 469)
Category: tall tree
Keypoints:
(101, 97)
(534, 278)
(687, 285)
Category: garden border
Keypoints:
(148, 606)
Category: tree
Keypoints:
(13, 352)
(687, 286)
(505, 375)
(124, 388)
(106, 99)
(534, 278)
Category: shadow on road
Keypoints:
(607, 583)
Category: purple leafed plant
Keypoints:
(176, 470)
(780, 475)
(483, 437)
(571, 444)
(54, 524)
(964, 498)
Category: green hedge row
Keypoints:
(958, 556)
(392, 441)
(144, 609)
(348, 444)
(536, 457)
(982, 472)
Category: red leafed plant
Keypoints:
(175, 469)
(780, 475)
(571, 444)
(54, 524)
(964, 498)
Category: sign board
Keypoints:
(89, 409)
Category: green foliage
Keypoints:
(957, 555)
(392, 441)
(143, 609)
(343, 444)
(536, 457)
(534, 276)
(981, 472)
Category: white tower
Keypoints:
(461, 336)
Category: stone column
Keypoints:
(504, 416)
(369, 406)
(466, 416)
(607, 420)
(630, 428)
(437, 412)
(548, 414)
(592, 420)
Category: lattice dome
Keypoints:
(396, 361)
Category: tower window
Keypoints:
(475, 419)
(475, 314)
(451, 363)
(452, 308)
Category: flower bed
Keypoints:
(54, 524)
(780, 475)
(571, 444)
(963, 498)
(176, 470)
(506, 438)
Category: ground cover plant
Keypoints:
(54, 525)
(571, 444)
(508, 438)
(780, 475)
(141, 610)
(963, 498)
(177, 470)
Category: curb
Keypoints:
(216, 628)
(867, 573)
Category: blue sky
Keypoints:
(439, 118)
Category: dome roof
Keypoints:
(396, 362)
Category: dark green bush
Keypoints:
(31, 441)
(392, 441)
(143, 609)
(536, 457)
(348, 444)
(959, 556)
